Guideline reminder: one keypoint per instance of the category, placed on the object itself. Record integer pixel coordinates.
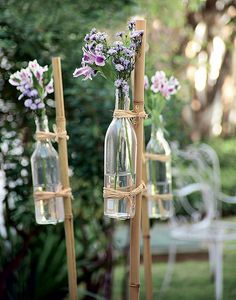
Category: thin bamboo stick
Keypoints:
(136, 221)
(147, 257)
(63, 162)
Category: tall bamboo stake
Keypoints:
(147, 257)
(63, 161)
(136, 221)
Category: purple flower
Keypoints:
(125, 88)
(111, 51)
(33, 93)
(120, 34)
(158, 81)
(88, 58)
(136, 34)
(128, 52)
(86, 38)
(131, 25)
(100, 60)
(49, 87)
(146, 82)
(85, 71)
(41, 105)
(28, 102)
(99, 47)
(118, 83)
(33, 106)
(119, 67)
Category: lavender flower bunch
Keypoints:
(113, 61)
(34, 84)
(158, 92)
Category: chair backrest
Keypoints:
(196, 179)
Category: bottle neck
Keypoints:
(122, 100)
(41, 122)
(157, 130)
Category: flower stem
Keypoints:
(129, 151)
(117, 158)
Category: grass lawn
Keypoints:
(190, 281)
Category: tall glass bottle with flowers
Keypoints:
(158, 153)
(115, 62)
(35, 83)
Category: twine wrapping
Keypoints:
(46, 195)
(118, 194)
(55, 136)
(119, 113)
(159, 157)
(160, 196)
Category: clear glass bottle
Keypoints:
(45, 174)
(120, 162)
(158, 173)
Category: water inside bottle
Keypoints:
(119, 208)
(49, 211)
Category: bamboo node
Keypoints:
(134, 285)
(54, 136)
(146, 236)
(69, 217)
(46, 195)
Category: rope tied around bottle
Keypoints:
(118, 194)
(55, 136)
(46, 195)
(159, 157)
(164, 197)
(120, 113)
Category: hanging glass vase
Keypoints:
(159, 189)
(45, 174)
(120, 162)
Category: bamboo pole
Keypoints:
(147, 257)
(136, 221)
(63, 162)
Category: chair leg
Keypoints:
(170, 266)
(219, 270)
(212, 258)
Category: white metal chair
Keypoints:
(198, 199)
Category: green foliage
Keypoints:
(188, 279)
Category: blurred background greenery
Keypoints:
(193, 40)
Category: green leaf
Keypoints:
(37, 86)
(47, 76)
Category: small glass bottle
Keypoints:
(45, 174)
(159, 173)
(120, 162)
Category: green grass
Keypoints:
(190, 281)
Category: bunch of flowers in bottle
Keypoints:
(34, 84)
(115, 61)
(158, 152)
(158, 91)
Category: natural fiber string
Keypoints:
(120, 113)
(159, 157)
(46, 195)
(118, 194)
(42, 135)
(164, 197)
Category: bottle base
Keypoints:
(119, 216)
(49, 222)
